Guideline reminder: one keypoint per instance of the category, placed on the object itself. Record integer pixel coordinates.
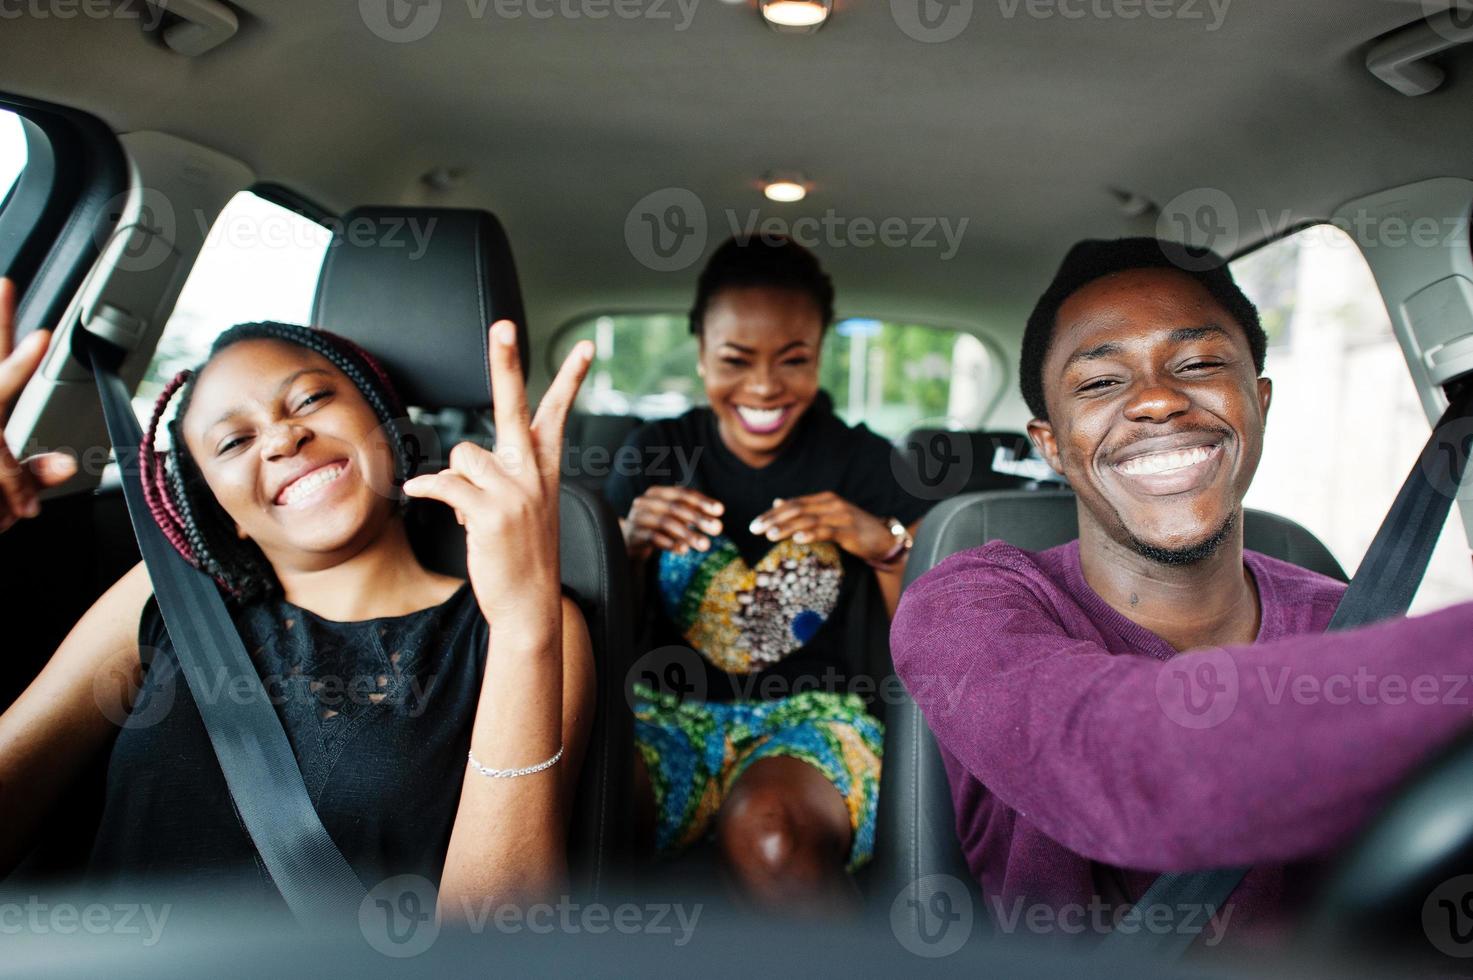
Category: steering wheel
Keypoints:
(1405, 886)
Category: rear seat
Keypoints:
(590, 447)
(953, 462)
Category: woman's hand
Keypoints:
(22, 480)
(671, 519)
(509, 840)
(827, 517)
(508, 499)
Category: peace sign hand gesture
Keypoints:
(508, 498)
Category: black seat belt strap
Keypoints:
(1382, 587)
(1172, 912)
(260, 769)
(1388, 576)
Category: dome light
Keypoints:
(796, 16)
(784, 188)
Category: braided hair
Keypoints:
(180, 500)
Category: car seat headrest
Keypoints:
(418, 287)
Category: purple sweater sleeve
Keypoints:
(1302, 738)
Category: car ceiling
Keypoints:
(1020, 125)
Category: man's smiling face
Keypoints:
(1156, 412)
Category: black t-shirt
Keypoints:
(378, 713)
(768, 619)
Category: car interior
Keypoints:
(404, 172)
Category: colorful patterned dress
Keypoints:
(764, 638)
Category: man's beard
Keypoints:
(1190, 555)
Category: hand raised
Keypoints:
(507, 498)
(22, 480)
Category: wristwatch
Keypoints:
(903, 543)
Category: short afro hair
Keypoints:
(1096, 258)
(773, 261)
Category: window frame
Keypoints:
(1409, 373)
(272, 193)
(75, 171)
(1305, 225)
(294, 201)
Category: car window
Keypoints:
(12, 152)
(1345, 423)
(260, 261)
(890, 375)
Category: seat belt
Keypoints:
(1382, 587)
(1393, 567)
(260, 769)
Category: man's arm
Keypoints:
(1101, 753)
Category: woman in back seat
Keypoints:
(283, 483)
(767, 560)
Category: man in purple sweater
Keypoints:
(1150, 697)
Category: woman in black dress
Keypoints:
(283, 482)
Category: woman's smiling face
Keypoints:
(293, 452)
(759, 360)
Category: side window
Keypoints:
(260, 261)
(1345, 422)
(894, 376)
(643, 364)
(889, 375)
(12, 153)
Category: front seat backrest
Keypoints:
(418, 288)
(916, 827)
(404, 281)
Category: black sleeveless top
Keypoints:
(378, 714)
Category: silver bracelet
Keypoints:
(513, 773)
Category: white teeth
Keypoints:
(1154, 464)
(312, 481)
(759, 418)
